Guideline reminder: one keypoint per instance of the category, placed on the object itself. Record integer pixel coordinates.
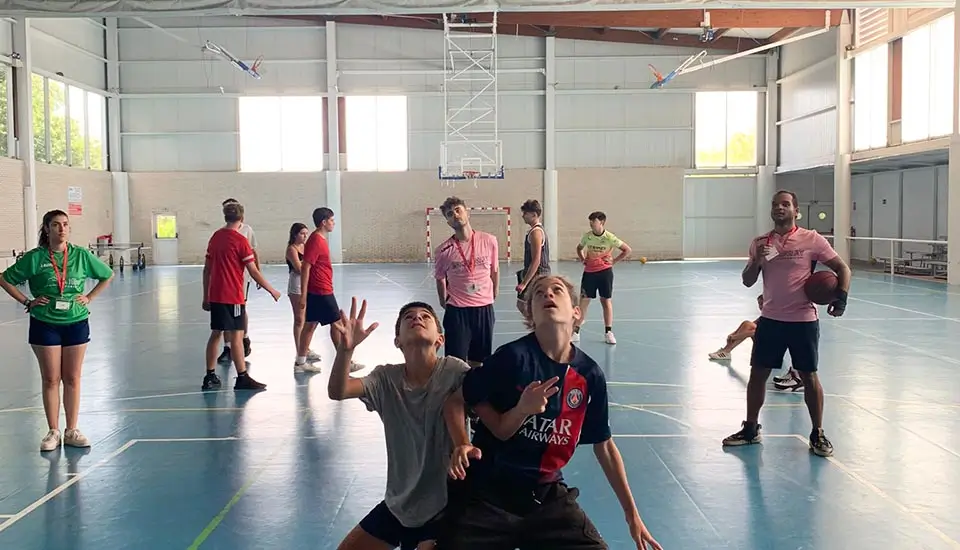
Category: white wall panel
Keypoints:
(942, 197)
(861, 195)
(181, 153)
(144, 116)
(919, 207)
(719, 216)
(809, 142)
(808, 99)
(6, 37)
(58, 46)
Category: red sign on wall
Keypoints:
(75, 208)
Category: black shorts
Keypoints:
(492, 519)
(322, 309)
(774, 338)
(226, 317)
(468, 332)
(597, 282)
(48, 334)
(522, 295)
(380, 523)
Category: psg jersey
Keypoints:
(575, 415)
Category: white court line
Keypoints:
(904, 428)
(879, 492)
(908, 310)
(185, 439)
(687, 494)
(652, 384)
(920, 351)
(64, 486)
(694, 436)
(655, 413)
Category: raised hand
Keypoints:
(350, 331)
(535, 396)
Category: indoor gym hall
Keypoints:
(172, 467)
(140, 125)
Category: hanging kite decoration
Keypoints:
(220, 51)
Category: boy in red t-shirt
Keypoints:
(228, 255)
(316, 289)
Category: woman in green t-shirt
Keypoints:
(56, 273)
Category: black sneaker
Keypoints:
(225, 358)
(246, 347)
(819, 443)
(211, 382)
(749, 435)
(244, 382)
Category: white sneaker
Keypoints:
(609, 338)
(576, 337)
(51, 441)
(313, 356)
(354, 367)
(74, 438)
(306, 367)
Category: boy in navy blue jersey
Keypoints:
(538, 398)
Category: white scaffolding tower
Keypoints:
(471, 143)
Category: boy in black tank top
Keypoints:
(536, 251)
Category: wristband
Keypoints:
(841, 297)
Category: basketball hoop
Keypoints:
(471, 174)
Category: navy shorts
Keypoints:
(322, 308)
(380, 523)
(468, 332)
(598, 282)
(773, 339)
(226, 317)
(46, 334)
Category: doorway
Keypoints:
(166, 238)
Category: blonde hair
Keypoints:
(532, 288)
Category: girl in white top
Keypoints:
(298, 236)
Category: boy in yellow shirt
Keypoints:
(596, 252)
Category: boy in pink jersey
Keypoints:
(468, 279)
(788, 320)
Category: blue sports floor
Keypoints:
(171, 468)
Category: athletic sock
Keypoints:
(301, 359)
(607, 329)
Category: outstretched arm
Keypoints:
(612, 464)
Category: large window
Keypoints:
(281, 134)
(726, 129)
(928, 81)
(870, 85)
(69, 124)
(376, 133)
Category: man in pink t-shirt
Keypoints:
(788, 320)
(468, 280)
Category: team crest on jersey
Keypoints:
(574, 398)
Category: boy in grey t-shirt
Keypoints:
(409, 398)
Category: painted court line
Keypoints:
(914, 349)
(904, 428)
(64, 486)
(655, 413)
(212, 526)
(907, 310)
(879, 492)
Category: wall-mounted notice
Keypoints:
(74, 201)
